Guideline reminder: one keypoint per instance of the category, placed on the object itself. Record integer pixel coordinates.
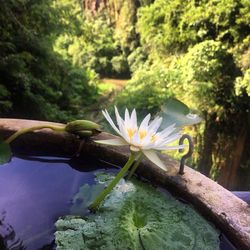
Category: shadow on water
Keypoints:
(8, 238)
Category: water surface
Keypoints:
(34, 194)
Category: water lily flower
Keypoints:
(144, 138)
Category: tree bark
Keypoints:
(95, 5)
(210, 138)
(230, 165)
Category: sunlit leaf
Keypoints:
(5, 152)
(175, 111)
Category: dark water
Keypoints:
(34, 193)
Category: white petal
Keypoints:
(124, 133)
(114, 142)
(171, 147)
(172, 138)
(167, 131)
(147, 139)
(133, 119)
(155, 124)
(127, 118)
(163, 143)
(108, 118)
(136, 139)
(152, 156)
(144, 123)
(118, 118)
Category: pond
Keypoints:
(35, 192)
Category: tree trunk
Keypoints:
(210, 138)
(230, 165)
(95, 5)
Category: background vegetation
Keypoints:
(53, 54)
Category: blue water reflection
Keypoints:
(33, 195)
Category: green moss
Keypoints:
(137, 216)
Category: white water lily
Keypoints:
(143, 138)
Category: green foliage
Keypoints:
(89, 43)
(120, 65)
(147, 90)
(35, 81)
(203, 48)
(51, 53)
(169, 26)
(5, 152)
(5, 101)
(242, 86)
(242, 58)
(145, 2)
(137, 59)
(206, 73)
(78, 92)
(137, 216)
(125, 24)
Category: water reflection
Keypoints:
(34, 193)
(8, 238)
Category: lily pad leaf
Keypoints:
(5, 152)
(175, 106)
(85, 197)
(137, 216)
(175, 111)
(88, 193)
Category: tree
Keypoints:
(33, 77)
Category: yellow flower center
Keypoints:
(142, 134)
(131, 132)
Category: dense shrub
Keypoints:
(147, 90)
(92, 45)
(170, 26)
(207, 73)
(242, 86)
(35, 82)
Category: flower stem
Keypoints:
(26, 130)
(94, 206)
(136, 164)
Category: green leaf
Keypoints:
(85, 197)
(175, 111)
(137, 216)
(88, 193)
(175, 106)
(5, 152)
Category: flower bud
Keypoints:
(82, 126)
(84, 133)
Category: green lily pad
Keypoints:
(175, 111)
(85, 197)
(175, 106)
(137, 216)
(5, 152)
